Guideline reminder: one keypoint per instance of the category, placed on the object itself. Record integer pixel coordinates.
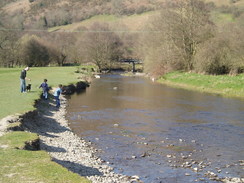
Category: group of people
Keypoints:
(44, 86)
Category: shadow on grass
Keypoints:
(78, 168)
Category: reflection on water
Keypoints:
(148, 129)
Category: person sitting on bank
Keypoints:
(22, 80)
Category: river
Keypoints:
(159, 133)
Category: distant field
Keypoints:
(124, 23)
(12, 101)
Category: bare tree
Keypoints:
(34, 52)
(102, 46)
(177, 33)
(224, 54)
(187, 26)
(61, 45)
(9, 48)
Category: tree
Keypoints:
(34, 53)
(102, 46)
(177, 33)
(9, 48)
(64, 43)
(223, 54)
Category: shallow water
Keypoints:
(150, 130)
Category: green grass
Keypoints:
(18, 165)
(20, 139)
(225, 85)
(221, 18)
(12, 101)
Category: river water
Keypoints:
(159, 133)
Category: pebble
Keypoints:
(144, 155)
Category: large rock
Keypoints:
(70, 89)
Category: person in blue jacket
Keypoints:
(45, 88)
(57, 93)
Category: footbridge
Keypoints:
(133, 61)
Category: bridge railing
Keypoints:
(131, 60)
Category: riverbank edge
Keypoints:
(182, 85)
(107, 173)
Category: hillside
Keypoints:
(133, 23)
(42, 14)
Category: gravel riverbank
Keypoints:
(66, 148)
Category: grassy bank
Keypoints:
(229, 86)
(12, 101)
(18, 163)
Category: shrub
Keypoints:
(223, 54)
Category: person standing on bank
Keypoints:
(22, 80)
(57, 93)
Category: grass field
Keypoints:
(17, 164)
(12, 101)
(20, 165)
(229, 86)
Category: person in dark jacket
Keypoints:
(45, 88)
(22, 80)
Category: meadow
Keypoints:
(12, 101)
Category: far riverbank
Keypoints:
(224, 85)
